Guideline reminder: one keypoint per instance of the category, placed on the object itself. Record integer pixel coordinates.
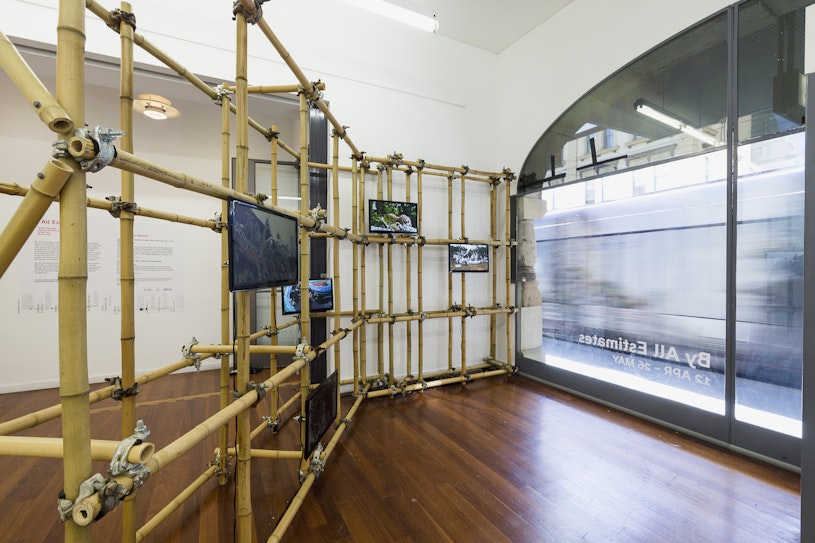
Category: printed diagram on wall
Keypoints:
(158, 260)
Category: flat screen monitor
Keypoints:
(262, 247)
(320, 297)
(321, 410)
(469, 257)
(389, 217)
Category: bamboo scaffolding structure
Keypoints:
(494, 258)
(449, 275)
(305, 268)
(275, 413)
(243, 507)
(391, 355)
(359, 183)
(442, 171)
(127, 274)
(408, 289)
(51, 447)
(380, 329)
(175, 503)
(335, 189)
(434, 374)
(45, 105)
(44, 189)
(356, 227)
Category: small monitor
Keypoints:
(389, 217)
(468, 257)
(320, 297)
(321, 410)
(262, 247)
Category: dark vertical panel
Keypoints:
(318, 194)
(808, 387)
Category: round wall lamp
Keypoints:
(155, 106)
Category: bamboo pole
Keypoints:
(274, 396)
(439, 382)
(419, 266)
(391, 356)
(359, 183)
(463, 278)
(45, 105)
(305, 265)
(357, 194)
(299, 497)
(52, 447)
(408, 289)
(127, 266)
(226, 321)
(508, 260)
(73, 271)
(335, 189)
(229, 349)
(36, 418)
(494, 258)
(44, 189)
(243, 512)
(381, 327)
(175, 503)
(265, 453)
(450, 275)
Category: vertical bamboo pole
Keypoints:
(335, 188)
(463, 279)
(226, 115)
(274, 394)
(380, 327)
(408, 297)
(243, 491)
(305, 265)
(450, 275)
(73, 271)
(356, 228)
(391, 362)
(508, 260)
(127, 267)
(363, 330)
(494, 268)
(419, 265)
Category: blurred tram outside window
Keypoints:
(638, 258)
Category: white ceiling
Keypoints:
(492, 25)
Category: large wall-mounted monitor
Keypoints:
(321, 410)
(390, 217)
(468, 257)
(262, 247)
(320, 297)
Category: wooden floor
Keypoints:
(501, 459)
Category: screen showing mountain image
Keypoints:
(389, 217)
(262, 247)
(469, 257)
(320, 297)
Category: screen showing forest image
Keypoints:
(389, 217)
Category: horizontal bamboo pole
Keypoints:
(265, 453)
(230, 349)
(15, 189)
(51, 447)
(437, 383)
(183, 444)
(44, 189)
(32, 89)
(274, 89)
(36, 418)
(431, 375)
(413, 240)
(405, 317)
(175, 503)
(470, 175)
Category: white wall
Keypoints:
(554, 65)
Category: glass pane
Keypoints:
(633, 288)
(668, 103)
(772, 87)
(769, 279)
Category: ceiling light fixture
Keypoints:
(155, 107)
(649, 110)
(400, 11)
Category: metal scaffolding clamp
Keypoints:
(220, 92)
(118, 16)
(118, 392)
(218, 223)
(105, 152)
(117, 206)
(261, 389)
(251, 18)
(300, 351)
(189, 355)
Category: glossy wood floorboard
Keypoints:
(502, 459)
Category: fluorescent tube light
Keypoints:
(640, 106)
(401, 14)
